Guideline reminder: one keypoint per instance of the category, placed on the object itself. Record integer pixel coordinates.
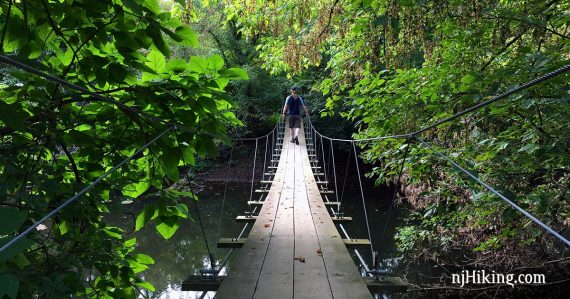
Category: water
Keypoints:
(185, 252)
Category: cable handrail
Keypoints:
(83, 191)
(524, 86)
(480, 182)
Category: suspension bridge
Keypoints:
(297, 245)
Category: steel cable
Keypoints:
(527, 214)
(363, 201)
(83, 191)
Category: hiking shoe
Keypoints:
(297, 140)
(292, 140)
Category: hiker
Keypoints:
(292, 108)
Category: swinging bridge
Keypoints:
(294, 248)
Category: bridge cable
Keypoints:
(363, 201)
(345, 176)
(524, 86)
(193, 199)
(252, 176)
(334, 171)
(400, 172)
(498, 97)
(324, 161)
(527, 214)
(83, 191)
(265, 158)
(225, 192)
(35, 71)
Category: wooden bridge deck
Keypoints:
(293, 249)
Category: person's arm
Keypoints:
(285, 107)
(304, 107)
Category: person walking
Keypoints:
(292, 109)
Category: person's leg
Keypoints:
(291, 124)
(292, 134)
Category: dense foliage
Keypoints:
(394, 66)
(55, 140)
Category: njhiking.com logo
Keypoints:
(484, 277)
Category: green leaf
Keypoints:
(215, 62)
(188, 156)
(198, 65)
(235, 74)
(131, 242)
(177, 65)
(16, 248)
(134, 190)
(63, 227)
(189, 37)
(158, 40)
(170, 159)
(21, 261)
(529, 148)
(167, 226)
(11, 219)
(145, 285)
(144, 259)
(117, 73)
(156, 61)
(9, 285)
(134, 7)
(147, 213)
(151, 5)
(13, 116)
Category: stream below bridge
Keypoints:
(185, 252)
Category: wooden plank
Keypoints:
(332, 203)
(356, 242)
(390, 284)
(231, 242)
(242, 277)
(266, 182)
(276, 276)
(341, 219)
(261, 190)
(246, 218)
(327, 192)
(311, 279)
(343, 276)
(255, 202)
(201, 283)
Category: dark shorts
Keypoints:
(295, 121)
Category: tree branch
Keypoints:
(219, 46)
(71, 160)
(516, 38)
(329, 20)
(5, 29)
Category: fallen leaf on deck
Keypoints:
(267, 225)
(300, 259)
